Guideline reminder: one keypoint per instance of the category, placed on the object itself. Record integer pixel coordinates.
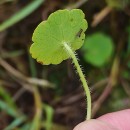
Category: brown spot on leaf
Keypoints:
(40, 62)
(79, 33)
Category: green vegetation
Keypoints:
(49, 96)
(64, 32)
(21, 14)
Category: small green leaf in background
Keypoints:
(97, 49)
(62, 26)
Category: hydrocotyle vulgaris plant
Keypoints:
(57, 39)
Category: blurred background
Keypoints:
(38, 97)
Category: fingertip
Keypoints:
(94, 124)
(118, 119)
(84, 125)
(112, 121)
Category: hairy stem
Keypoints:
(82, 78)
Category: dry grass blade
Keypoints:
(20, 76)
(100, 16)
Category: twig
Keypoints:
(112, 82)
(62, 110)
(100, 16)
(126, 87)
(22, 77)
(76, 5)
(18, 94)
(101, 99)
(99, 84)
(11, 70)
(40, 82)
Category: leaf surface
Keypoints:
(62, 26)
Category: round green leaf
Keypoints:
(62, 26)
(97, 49)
